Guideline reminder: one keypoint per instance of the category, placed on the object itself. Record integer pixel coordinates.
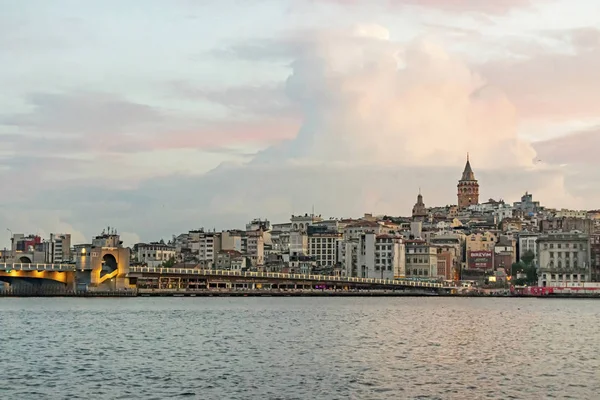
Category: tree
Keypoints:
(169, 263)
(517, 267)
(528, 270)
(528, 257)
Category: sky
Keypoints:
(156, 117)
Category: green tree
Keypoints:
(169, 263)
(528, 270)
(528, 257)
(517, 267)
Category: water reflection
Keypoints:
(299, 348)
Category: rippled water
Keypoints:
(299, 348)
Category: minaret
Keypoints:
(419, 212)
(468, 188)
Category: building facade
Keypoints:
(563, 258)
(421, 259)
(58, 248)
(154, 254)
(527, 243)
(323, 247)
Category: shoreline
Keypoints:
(270, 293)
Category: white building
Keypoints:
(358, 228)
(298, 243)
(503, 212)
(302, 222)
(323, 247)
(154, 254)
(527, 242)
(58, 248)
(421, 259)
(205, 246)
(255, 247)
(563, 258)
(372, 255)
(563, 212)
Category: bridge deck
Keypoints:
(282, 276)
(36, 267)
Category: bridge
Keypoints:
(37, 273)
(186, 279)
(192, 278)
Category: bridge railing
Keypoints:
(36, 267)
(281, 275)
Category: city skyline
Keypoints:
(153, 119)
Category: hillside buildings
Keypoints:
(469, 240)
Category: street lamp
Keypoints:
(11, 244)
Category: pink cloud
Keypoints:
(222, 134)
(550, 86)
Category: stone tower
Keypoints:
(468, 188)
(419, 212)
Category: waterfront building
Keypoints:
(154, 254)
(563, 258)
(373, 255)
(301, 264)
(527, 242)
(255, 247)
(451, 243)
(204, 247)
(505, 252)
(231, 260)
(445, 261)
(323, 246)
(468, 188)
(27, 249)
(57, 249)
(421, 259)
(595, 256)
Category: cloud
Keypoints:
(455, 6)
(552, 85)
(576, 148)
(365, 100)
(256, 100)
(373, 120)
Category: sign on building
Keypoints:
(481, 259)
